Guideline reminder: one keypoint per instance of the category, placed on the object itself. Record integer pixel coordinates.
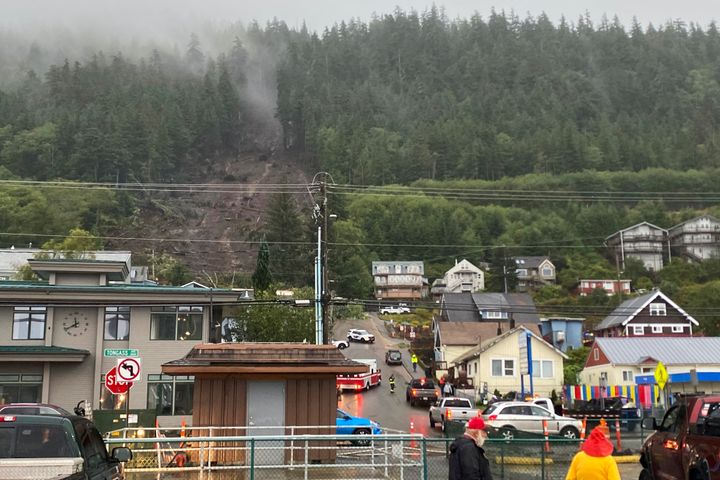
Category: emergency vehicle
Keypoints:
(361, 381)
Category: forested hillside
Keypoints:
(411, 96)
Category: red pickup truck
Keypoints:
(686, 444)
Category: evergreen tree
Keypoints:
(262, 278)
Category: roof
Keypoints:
(627, 310)
(488, 344)
(466, 333)
(530, 262)
(634, 226)
(113, 269)
(460, 307)
(708, 216)
(521, 305)
(263, 358)
(668, 350)
(34, 349)
(11, 259)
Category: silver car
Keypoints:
(511, 417)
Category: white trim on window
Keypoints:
(678, 329)
(657, 329)
(658, 309)
(638, 329)
(507, 367)
(596, 354)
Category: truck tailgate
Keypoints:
(39, 468)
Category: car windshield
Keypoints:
(395, 355)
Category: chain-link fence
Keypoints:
(344, 456)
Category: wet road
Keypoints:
(391, 411)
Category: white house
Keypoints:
(499, 361)
(464, 277)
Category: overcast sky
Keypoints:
(139, 15)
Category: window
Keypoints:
(492, 314)
(658, 309)
(20, 388)
(29, 323)
(677, 329)
(542, 368)
(547, 272)
(176, 323)
(596, 354)
(503, 368)
(170, 395)
(657, 328)
(92, 446)
(608, 286)
(117, 323)
(627, 375)
(638, 330)
(107, 400)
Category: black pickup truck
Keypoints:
(610, 409)
(35, 447)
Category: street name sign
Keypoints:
(121, 352)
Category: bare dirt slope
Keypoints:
(209, 232)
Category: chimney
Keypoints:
(512, 320)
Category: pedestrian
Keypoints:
(594, 461)
(414, 361)
(447, 389)
(467, 457)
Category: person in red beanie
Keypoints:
(594, 461)
(467, 457)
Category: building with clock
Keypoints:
(55, 334)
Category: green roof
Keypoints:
(123, 287)
(40, 349)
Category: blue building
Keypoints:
(562, 332)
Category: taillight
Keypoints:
(413, 392)
(7, 418)
(437, 394)
(448, 414)
(492, 418)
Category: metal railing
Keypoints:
(397, 456)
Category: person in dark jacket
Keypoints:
(467, 457)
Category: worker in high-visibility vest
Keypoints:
(414, 361)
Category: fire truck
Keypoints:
(361, 381)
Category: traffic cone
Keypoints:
(582, 429)
(545, 433)
(182, 428)
(618, 442)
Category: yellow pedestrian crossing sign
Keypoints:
(661, 375)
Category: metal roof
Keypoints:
(40, 349)
(530, 262)
(634, 226)
(630, 308)
(669, 350)
(460, 307)
(521, 305)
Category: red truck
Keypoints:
(686, 444)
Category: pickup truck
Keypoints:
(421, 390)
(393, 309)
(451, 408)
(36, 447)
(610, 408)
(686, 444)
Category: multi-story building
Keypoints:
(55, 334)
(399, 280)
(464, 277)
(697, 239)
(644, 241)
(611, 287)
(564, 333)
(534, 272)
(649, 315)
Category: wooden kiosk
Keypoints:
(264, 389)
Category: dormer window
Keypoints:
(658, 309)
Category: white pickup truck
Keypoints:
(451, 408)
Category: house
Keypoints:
(437, 290)
(652, 314)
(12, 259)
(633, 360)
(56, 334)
(611, 287)
(644, 241)
(452, 339)
(562, 332)
(499, 362)
(488, 307)
(464, 277)
(534, 272)
(399, 280)
(696, 239)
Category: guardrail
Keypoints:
(397, 456)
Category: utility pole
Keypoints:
(325, 294)
(322, 283)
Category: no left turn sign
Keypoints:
(128, 369)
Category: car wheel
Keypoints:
(508, 432)
(412, 402)
(432, 422)
(569, 432)
(362, 432)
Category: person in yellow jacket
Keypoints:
(594, 461)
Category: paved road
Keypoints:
(389, 410)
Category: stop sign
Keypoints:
(114, 384)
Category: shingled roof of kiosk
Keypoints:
(263, 358)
